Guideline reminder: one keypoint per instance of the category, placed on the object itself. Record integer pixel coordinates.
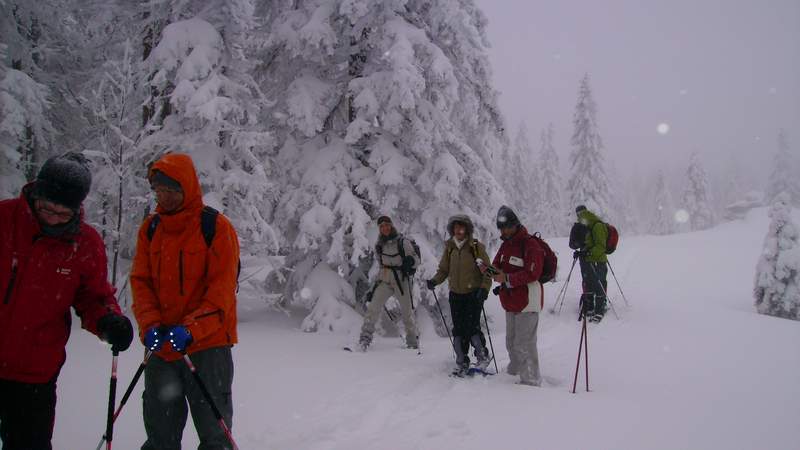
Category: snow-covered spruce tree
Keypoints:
(784, 177)
(120, 188)
(588, 182)
(777, 285)
(382, 107)
(696, 196)
(26, 130)
(549, 215)
(204, 101)
(662, 213)
(519, 175)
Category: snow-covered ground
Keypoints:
(689, 365)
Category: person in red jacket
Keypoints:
(50, 260)
(518, 264)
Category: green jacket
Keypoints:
(596, 238)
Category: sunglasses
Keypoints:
(44, 208)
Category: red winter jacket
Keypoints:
(40, 278)
(522, 259)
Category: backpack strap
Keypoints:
(151, 228)
(208, 224)
(401, 241)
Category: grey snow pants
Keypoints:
(521, 329)
(168, 386)
(382, 293)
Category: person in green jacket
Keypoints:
(594, 265)
(469, 288)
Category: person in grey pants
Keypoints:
(518, 266)
(398, 261)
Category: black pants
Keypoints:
(27, 415)
(466, 311)
(595, 286)
(169, 386)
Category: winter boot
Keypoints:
(461, 347)
(481, 353)
(461, 370)
(364, 341)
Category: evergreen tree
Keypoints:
(380, 107)
(550, 215)
(696, 196)
(777, 284)
(588, 182)
(662, 215)
(784, 175)
(520, 175)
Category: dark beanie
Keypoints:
(65, 180)
(506, 217)
(159, 178)
(384, 219)
(579, 209)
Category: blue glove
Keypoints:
(180, 338)
(154, 339)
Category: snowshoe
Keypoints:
(478, 371)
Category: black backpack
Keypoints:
(208, 226)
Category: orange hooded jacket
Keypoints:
(176, 278)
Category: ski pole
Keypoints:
(489, 333)
(618, 286)
(112, 392)
(599, 283)
(444, 322)
(207, 395)
(128, 392)
(584, 340)
(563, 292)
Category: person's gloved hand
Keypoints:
(580, 253)
(430, 284)
(482, 294)
(180, 338)
(154, 339)
(117, 330)
(408, 265)
(496, 290)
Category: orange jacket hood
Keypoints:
(179, 167)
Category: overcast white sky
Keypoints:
(724, 74)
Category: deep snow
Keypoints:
(689, 365)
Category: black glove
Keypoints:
(430, 284)
(408, 265)
(482, 294)
(117, 330)
(580, 253)
(496, 290)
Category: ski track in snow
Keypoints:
(690, 365)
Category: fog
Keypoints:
(723, 75)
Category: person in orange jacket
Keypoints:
(184, 300)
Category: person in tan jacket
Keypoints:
(184, 300)
(469, 288)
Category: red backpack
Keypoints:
(613, 239)
(550, 259)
